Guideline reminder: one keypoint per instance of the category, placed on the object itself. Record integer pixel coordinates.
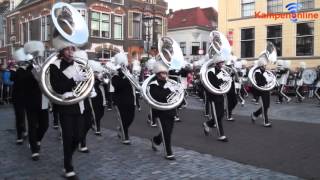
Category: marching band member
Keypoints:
(231, 96)
(282, 76)
(18, 93)
(262, 80)
(63, 78)
(159, 91)
(124, 97)
(317, 83)
(216, 101)
(38, 104)
(299, 82)
(136, 70)
(239, 85)
(150, 65)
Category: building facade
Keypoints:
(191, 29)
(121, 23)
(292, 25)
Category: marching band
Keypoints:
(80, 89)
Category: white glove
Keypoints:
(67, 95)
(93, 94)
(268, 78)
(226, 78)
(106, 80)
(220, 75)
(80, 77)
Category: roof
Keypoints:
(25, 3)
(204, 18)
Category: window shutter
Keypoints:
(130, 24)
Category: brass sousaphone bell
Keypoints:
(70, 30)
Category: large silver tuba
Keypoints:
(171, 55)
(219, 49)
(71, 29)
(268, 55)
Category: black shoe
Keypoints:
(71, 175)
(223, 139)
(253, 118)
(153, 124)
(19, 141)
(98, 133)
(267, 125)
(206, 129)
(170, 157)
(153, 145)
(126, 142)
(84, 149)
(35, 156)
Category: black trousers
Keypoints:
(126, 112)
(255, 94)
(265, 97)
(85, 126)
(56, 117)
(280, 96)
(300, 90)
(138, 99)
(232, 100)
(20, 114)
(217, 113)
(109, 98)
(165, 124)
(99, 112)
(71, 125)
(38, 122)
(207, 104)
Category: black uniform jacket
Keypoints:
(216, 83)
(32, 90)
(19, 85)
(123, 92)
(61, 84)
(260, 80)
(159, 93)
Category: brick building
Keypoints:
(122, 23)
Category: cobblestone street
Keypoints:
(109, 159)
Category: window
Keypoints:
(204, 47)
(247, 42)
(45, 28)
(4, 32)
(183, 47)
(247, 8)
(25, 29)
(306, 4)
(118, 31)
(117, 1)
(151, 1)
(136, 26)
(274, 6)
(274, 35)
(35, 30)
(100, 24)
(13, 25)
(305, 36)
(195, 48)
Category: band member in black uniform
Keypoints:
(216, 101)
(299, 82)
(37, 112)
(231, 94)
(317, 84)
(282, 77)
(265, 95)
(97, 102)
(18, 97)
(63, 78)
(159, 92)
(124, 97)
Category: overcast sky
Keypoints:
(185, 4)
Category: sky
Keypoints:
(185, 4)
